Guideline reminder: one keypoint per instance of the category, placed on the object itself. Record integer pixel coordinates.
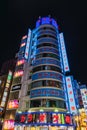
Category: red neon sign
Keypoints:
(23, 118)
(42, 118)
(30, 117)
(67, 119)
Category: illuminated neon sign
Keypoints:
(71, 98)
(27, 45)
(84, 98)
(46, 20)
(18, 73)
(53, 75)
(8, 125)
(44, 118)
(48, 92)
(20, 62)
(24, 37)
(12, 104)
(23, 44)
(64, 54)
(5, 94)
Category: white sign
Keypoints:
(72, 104)
(64, 55)
(27, 45)
(84, 98)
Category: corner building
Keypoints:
(47, 94)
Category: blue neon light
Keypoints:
(46, 61)
(46, 20)
(48, 92)
(41, 75)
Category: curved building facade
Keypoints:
(47, 77)
(47, 104)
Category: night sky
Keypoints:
(19, 15)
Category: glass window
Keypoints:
(14, 95)
(35, 103)
(47, 44)
(47, 55)
(47, 67)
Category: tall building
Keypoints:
(38, 98)
(14, 96)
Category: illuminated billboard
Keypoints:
(64, 54)
(71, 99)
(18, 73)
(5, 94)
(12, 104)
(8, 125)
(20, 62)
(27, 45)
(43, 118)
(84, 98)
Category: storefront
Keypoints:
(43, 121)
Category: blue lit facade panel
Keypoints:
(42, 32)
(46, 33)
(47, 40)
(47, 50)
(42, 75)
(47, 92)
(46, 61)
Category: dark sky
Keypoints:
(19, 15)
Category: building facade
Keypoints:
(39, 81)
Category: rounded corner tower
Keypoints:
(47, 90)
(47, 108)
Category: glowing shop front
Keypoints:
(43, 121)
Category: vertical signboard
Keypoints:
(27, 45)
(5, 94)
(84, 98)
(64, 54)
(72, 104)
